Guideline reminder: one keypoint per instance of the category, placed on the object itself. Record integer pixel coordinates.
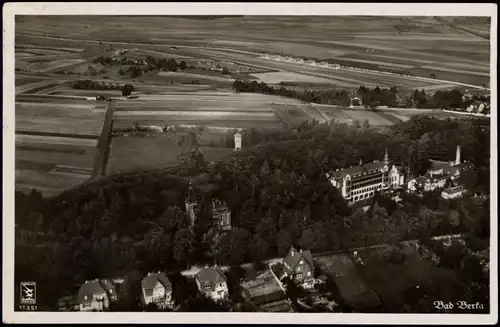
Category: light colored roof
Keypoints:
(367, 167)
(149, 282)
(94, 288)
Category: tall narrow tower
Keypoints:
(191, 204)
(386, 158)
(237, 142)
(457, 157)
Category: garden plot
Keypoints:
(264, 291)
(352, 288)
(391, 280)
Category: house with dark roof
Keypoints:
(156, 288)
(96, 295)
(299, 266)
(212, 282)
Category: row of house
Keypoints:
(156, 288)
(358, 183)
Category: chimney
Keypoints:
(293, 253)
(457, 159)
(300, 250)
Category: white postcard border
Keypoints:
(144, 8)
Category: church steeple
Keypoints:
(360, 162)
(386, 157)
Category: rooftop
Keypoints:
(149, 282)
(364, 168)
(213, 275)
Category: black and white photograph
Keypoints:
(250, 160)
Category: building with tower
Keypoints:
(440, 173)
(237, 142)
(221, 215)
(191, 204)
(361, 182)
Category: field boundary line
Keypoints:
(103, 144)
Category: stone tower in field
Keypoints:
(457, 156)
(221, 215)
(237, 142)
(191, 204)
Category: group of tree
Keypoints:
(446, 99)
(277, 192)
(339, 97)
(165, 64)
(372, 98)
(95, 85)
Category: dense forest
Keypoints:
(277, 192)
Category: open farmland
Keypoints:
(211, 109)
(52, 164)
(70, 117)
(52, 52)
(150, 152)
(377, 43)
(56, 140)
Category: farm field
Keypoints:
(152, 152)
(70, 117)
(52, 52)
(52, 164)
(211, 109)
(431, 40)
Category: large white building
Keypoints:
(362, 181)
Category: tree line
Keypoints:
(368, 97)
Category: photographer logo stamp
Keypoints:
(28, 293)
